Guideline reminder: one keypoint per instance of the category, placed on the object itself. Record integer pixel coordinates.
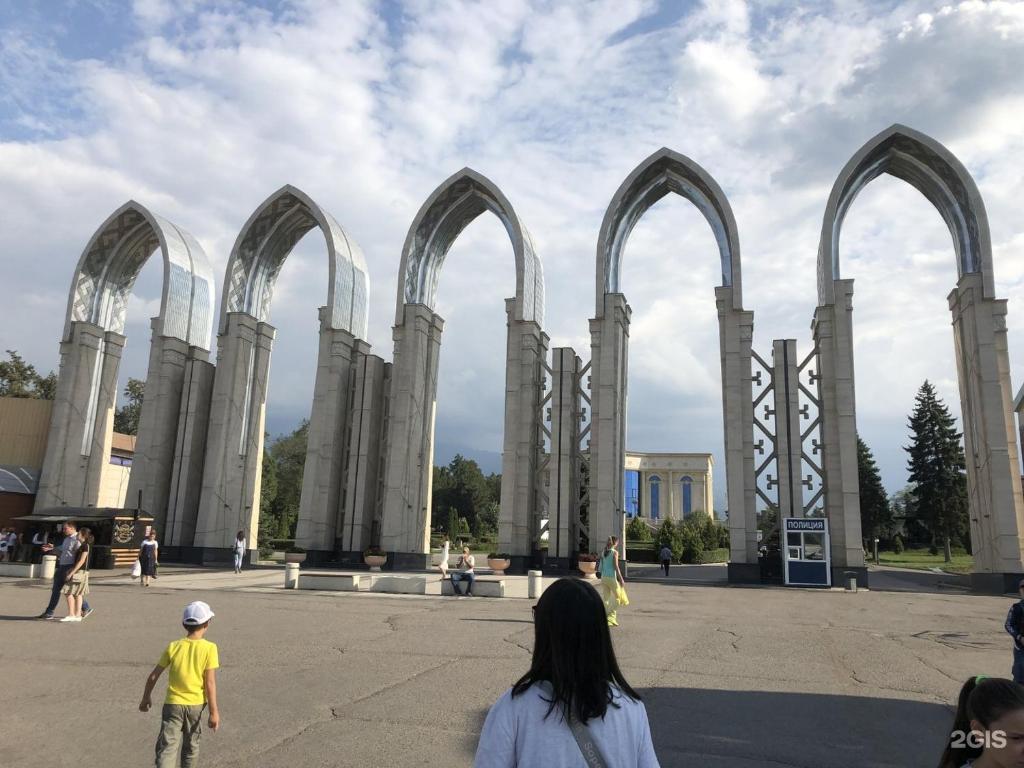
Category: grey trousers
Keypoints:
(181, 727)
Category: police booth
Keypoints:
(806, 555)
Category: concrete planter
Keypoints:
(498, 565)
(19, 570)
(295, 557)
(375, 561)
(589, 570)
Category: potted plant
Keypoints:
(499, 562)
(586, 562)
(295, 555)
(375, 557)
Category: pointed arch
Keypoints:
(450, 208)
(663, 172)
(924, 163)
(111, 262)
(264, 243)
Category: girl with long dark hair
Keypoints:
(573, 698)
(988, 728)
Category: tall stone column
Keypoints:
(234, 453)
(327, 444)
(563, 467)
(189, 455)
(153, 464)
(833, 337)
(993, 469)
(78, 444)
(609, 348)
(405, 528)
(735, 333)
(362, 494)
(787, 427)
(526, 350)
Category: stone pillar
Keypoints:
(832, 330)
(735, 333)
(405, 527)
(526, 350)
(153, 463)
(787, 427)
(993, 474)
(234, 450)
(609, 349)
(362, 492)
(78, 443)
(564, 465)
(189, 455)
(322, 477)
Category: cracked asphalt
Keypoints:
(732, 677)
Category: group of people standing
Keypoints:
(71, 575)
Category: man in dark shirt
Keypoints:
(1015, 628)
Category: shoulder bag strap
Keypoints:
(591, 754)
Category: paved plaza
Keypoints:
(732, 677)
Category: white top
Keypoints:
(466, 562)
(517, 735)
(239, 546)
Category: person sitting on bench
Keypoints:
(465, 572)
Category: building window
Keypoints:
(655, 482)
(121, 461)
(631, 486)
(687, 483)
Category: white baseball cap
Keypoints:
(197, 613)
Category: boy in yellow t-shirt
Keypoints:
(191, 686)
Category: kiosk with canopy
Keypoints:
(806, 559)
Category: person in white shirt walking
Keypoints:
(574, 699)
(239, 550)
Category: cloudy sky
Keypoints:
(200, 110)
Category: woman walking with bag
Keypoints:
(239, 550)
(148, 555)
(611, 580)
(77, 585)
(573, 707)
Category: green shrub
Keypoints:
(717, 555)
(691, 543)
(897, 544)
(638, 530)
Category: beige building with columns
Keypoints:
(669, 485)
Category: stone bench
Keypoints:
(335, 582)
(483, 586)
(20, 570)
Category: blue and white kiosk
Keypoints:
(806, 555)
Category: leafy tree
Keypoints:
(20, 379)
(288, 456)
(937, 469)
(126, 418)
(462, 487)
(875, 513)
(268, 525)
(668, 536)
(487, 520)
(638, 530)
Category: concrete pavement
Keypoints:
(737, 677)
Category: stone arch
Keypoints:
(80, 428)
(453, 205)
(926, 164)
(404, 528)
(110, 263)
(979, 331)
(663, 172)
(230, 498)
(264, 243)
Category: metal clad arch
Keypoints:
(264, 243)
(663, 172)
(449, 210)
(927, 165)
(112, 260)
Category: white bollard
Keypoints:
(536, 583)
(49, 566)
(291, 575)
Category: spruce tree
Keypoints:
(937, 470)
(875, 513)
